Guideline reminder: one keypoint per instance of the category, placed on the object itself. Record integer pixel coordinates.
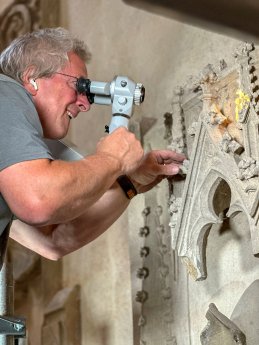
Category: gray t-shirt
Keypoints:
(21, 134)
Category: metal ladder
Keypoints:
(12, 329)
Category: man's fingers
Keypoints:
(169, 169)
(168, 156)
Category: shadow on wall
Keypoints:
(237, 18)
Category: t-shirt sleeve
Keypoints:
(21, 135)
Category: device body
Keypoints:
(122, 93)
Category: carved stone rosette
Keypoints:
(156, 294)
(223, 172)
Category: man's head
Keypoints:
(43, 51)
(47, 63)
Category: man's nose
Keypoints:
(83, 103)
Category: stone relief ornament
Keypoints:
(17, 19)
(143, 272)
(241, 328)
(156, 277)
(220, 110)
(221, 330)
(22, 16)
(246, 311)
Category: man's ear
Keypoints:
(34, 84)
(29, 82)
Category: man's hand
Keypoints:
(124, 147)
(155, 166)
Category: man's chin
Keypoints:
(56, 135)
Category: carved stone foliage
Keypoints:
(215, 121)
(22, 16)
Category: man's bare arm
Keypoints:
(42, 192)
(55, 241)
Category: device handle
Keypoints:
(118, 121)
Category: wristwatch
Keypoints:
(127, 186)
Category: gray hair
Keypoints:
(45, 51)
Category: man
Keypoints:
(61, 206)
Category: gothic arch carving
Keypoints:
(222, 145)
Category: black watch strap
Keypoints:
(127, 186)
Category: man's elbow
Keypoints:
(35, 212)
(53, 255)
(50, 252)
(41, 240)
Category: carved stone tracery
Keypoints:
(225, 150)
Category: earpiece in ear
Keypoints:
(34, 84)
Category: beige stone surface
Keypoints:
(5, 3)
(102, 271)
